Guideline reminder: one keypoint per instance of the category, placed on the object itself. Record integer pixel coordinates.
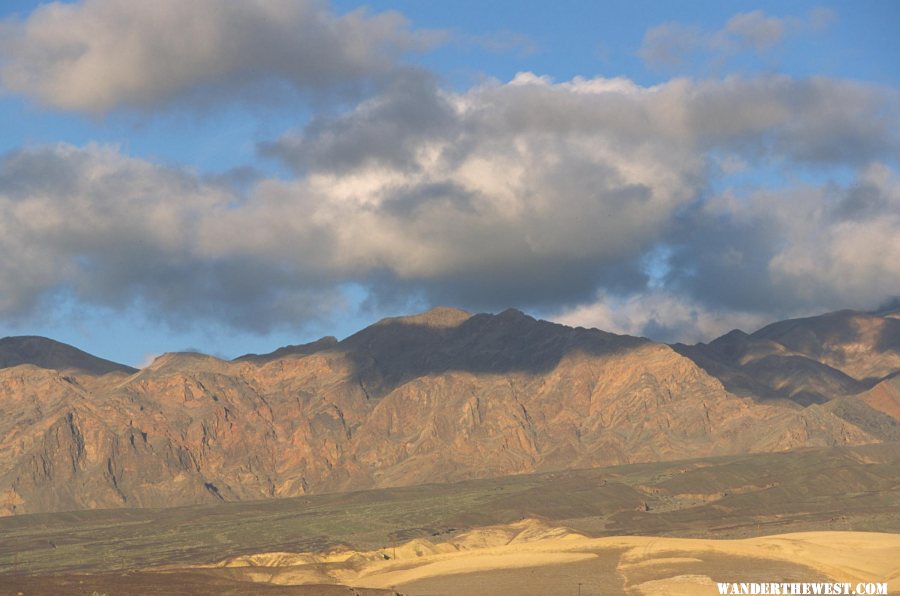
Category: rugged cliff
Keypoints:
(436, 397)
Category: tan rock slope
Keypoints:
(436, 397)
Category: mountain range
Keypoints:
(436, 397)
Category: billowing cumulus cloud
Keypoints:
(739, 262)
(662, 315)
(541, 195)
(97, 55)
(539, 192)
(114, 231)
(828, 245)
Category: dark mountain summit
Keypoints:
(50, 354)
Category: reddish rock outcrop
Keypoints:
(437, 397)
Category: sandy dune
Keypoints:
(529, 557)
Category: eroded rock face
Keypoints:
(438, 397)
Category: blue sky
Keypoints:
(676, 169)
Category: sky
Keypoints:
(231, 176)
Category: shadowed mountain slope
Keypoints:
(865, 346)
(441, 396)
(766, 370)
(325, 343)
(809, 360)
(50, 354)
(397, 349)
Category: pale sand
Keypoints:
(628, 564)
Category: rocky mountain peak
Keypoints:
(437, 317)
(434, 397)
(323, 343)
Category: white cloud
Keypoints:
(754, 30)
(740, 262)
(531, 193)
(97, 55)
(794, 250)
(845, 251)
(674, 45)
(671, 45)
(115, 231)
(659, 315)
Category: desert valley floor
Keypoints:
(451, 453)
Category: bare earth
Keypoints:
(451, 538)
(450, 453)
(529, 557)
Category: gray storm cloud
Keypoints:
(529, 193)
(98, 55)
(795, 250)
(114, 231)
(739, 262)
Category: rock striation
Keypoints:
(437, 397)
